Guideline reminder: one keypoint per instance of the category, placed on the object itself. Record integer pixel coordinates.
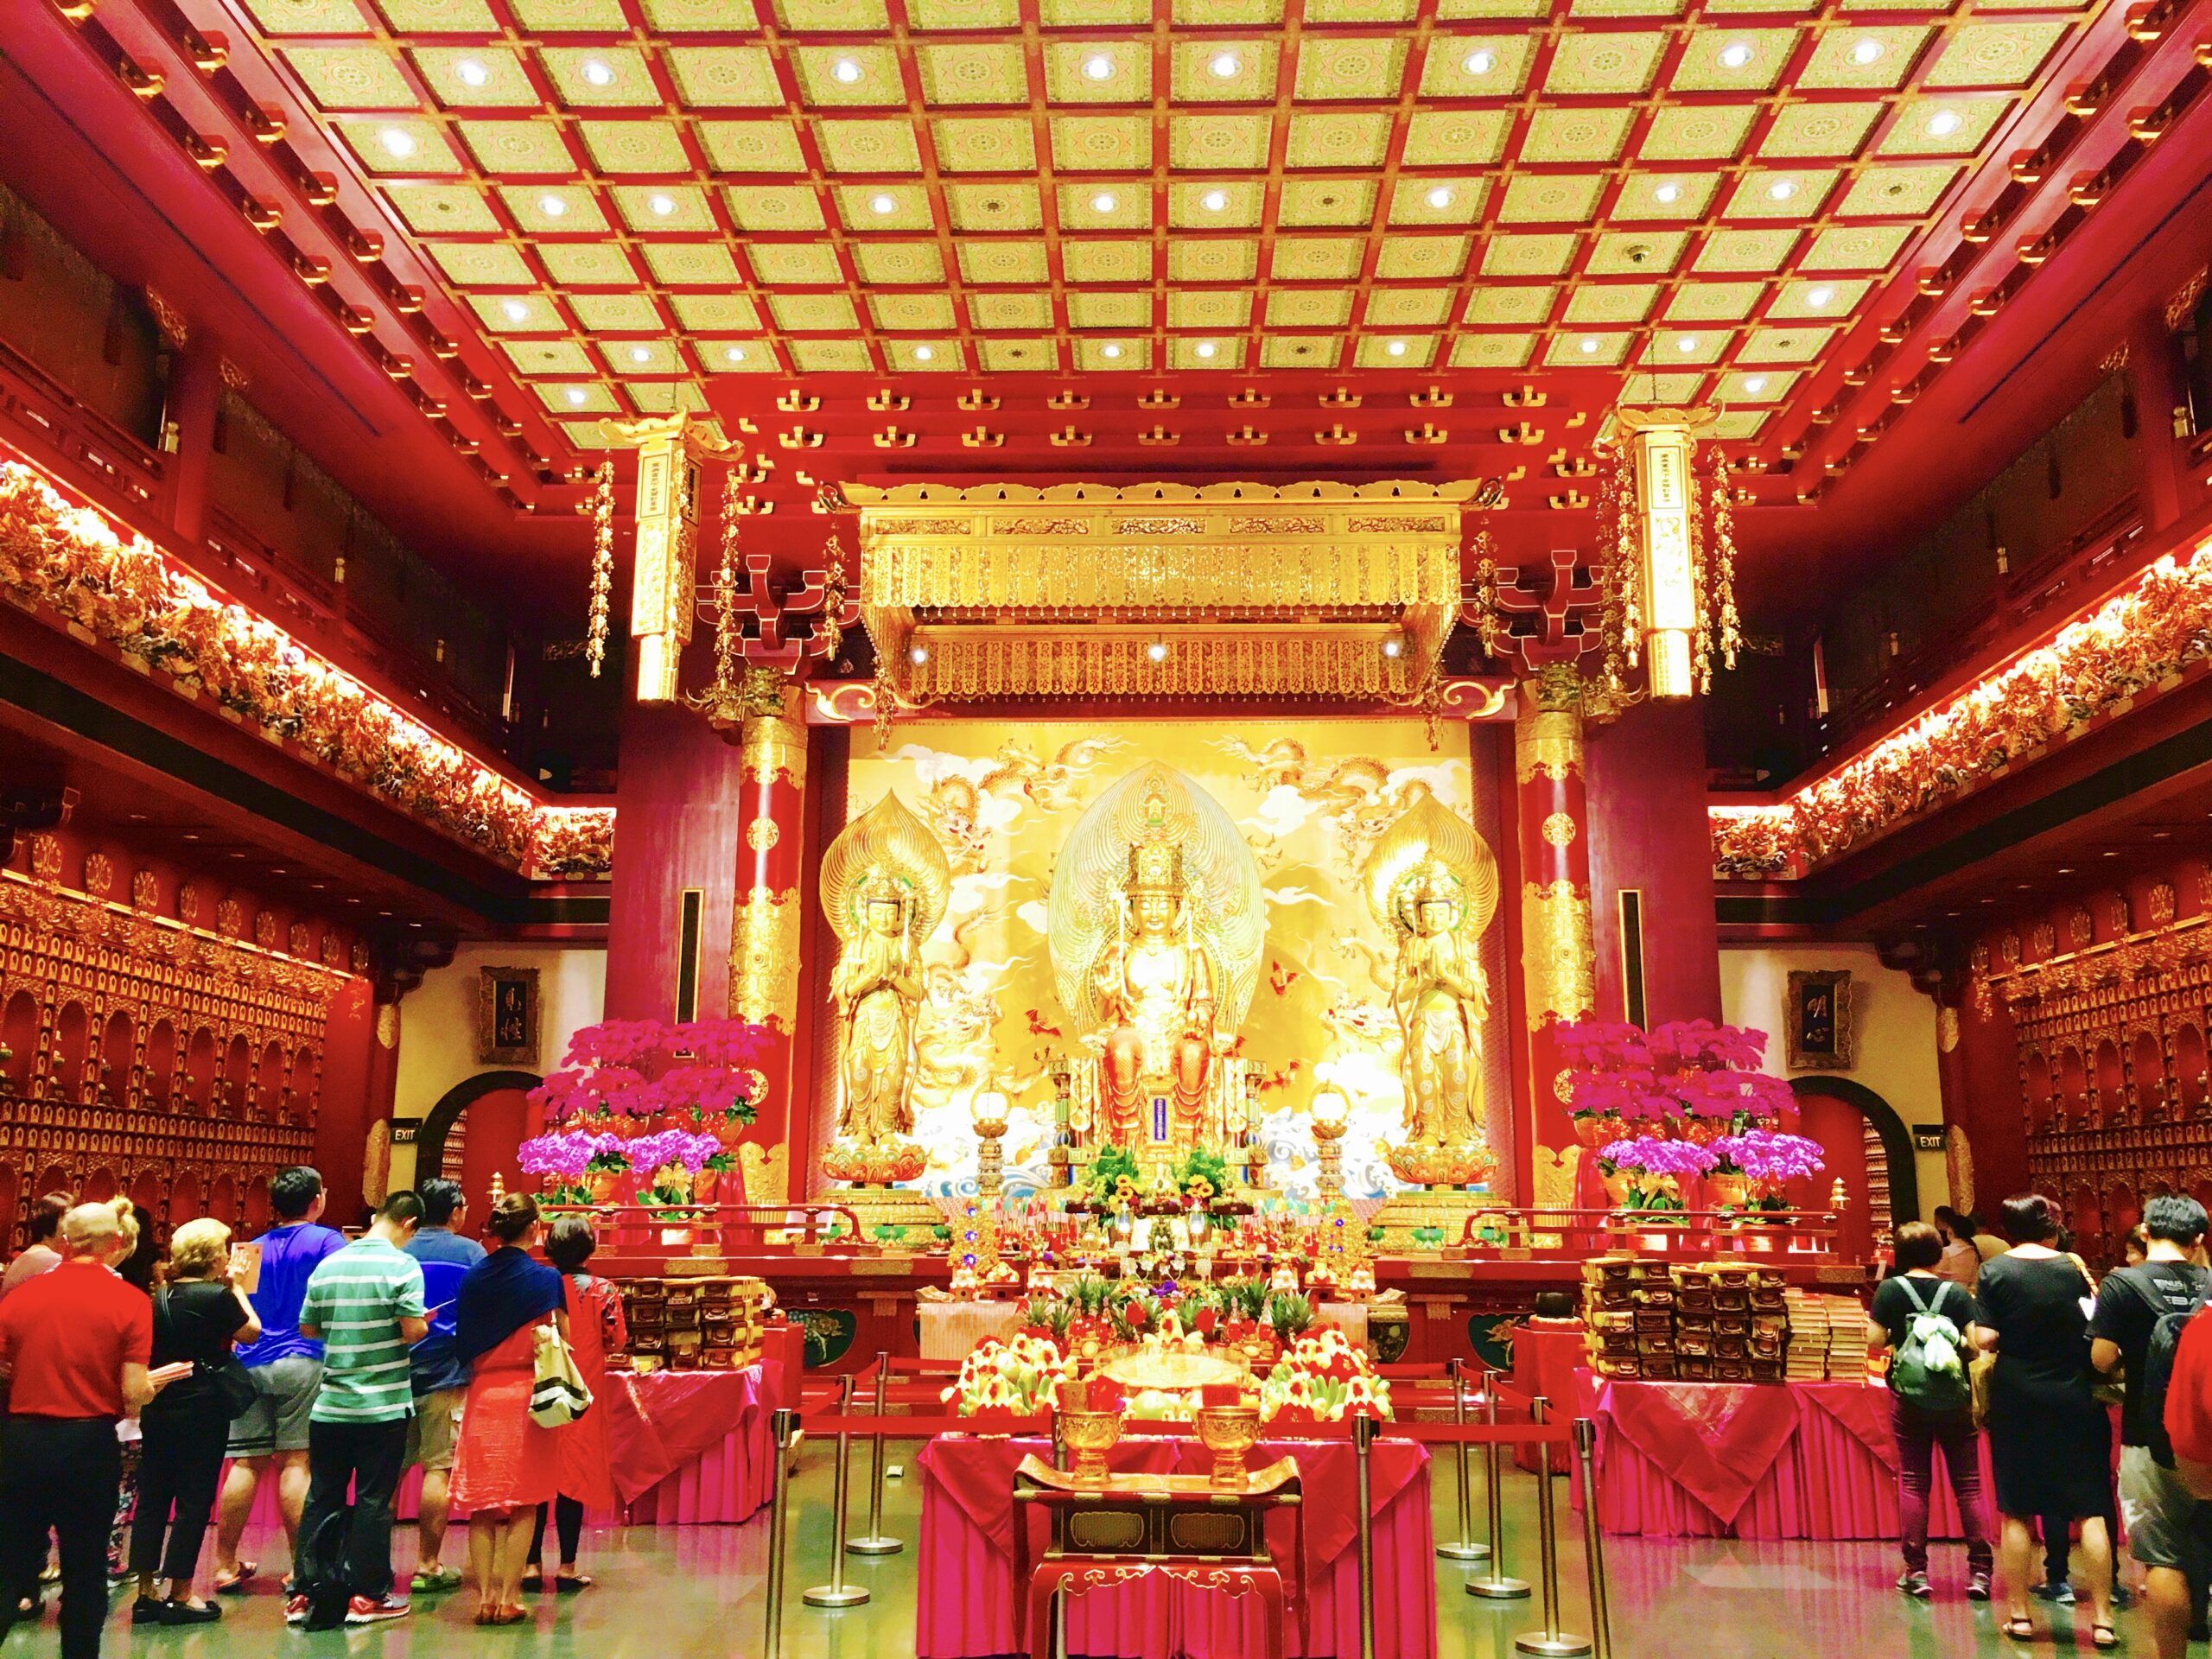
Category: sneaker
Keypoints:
(1914, 1584)
(1977, 1586)
(2123, 1598)
(295, 1610)
(364, 1609)
(2056, 1589)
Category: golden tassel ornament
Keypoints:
(1723, 563)
(601, 506)
(726, 643)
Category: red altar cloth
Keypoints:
(688, 1448)
(964, 1607)
(1752, 1460)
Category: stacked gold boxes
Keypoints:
(715, 1325)
(1702, 1321)
(1827, 1337)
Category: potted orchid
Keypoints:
(1763, 1161)
(1686, 1080)
(670, 1160)
(1644, 1173)
(560, 1160)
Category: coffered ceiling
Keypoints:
(648, 205)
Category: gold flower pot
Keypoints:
(1091, 1435)
(1229, 1433)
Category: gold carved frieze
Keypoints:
(1559, 950)
(1250, 662)
(763, 958)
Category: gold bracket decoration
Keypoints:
(600, 506)
(1308, 590)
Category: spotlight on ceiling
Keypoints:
(661, 203)
(1214, 200)
(882, 205)
(1103, 202)
(515, 310)
(1397, 348)
(1440, 196)
(1670, 193)
(396, 141)
(1735, 54)
(922, 353)
(598, 73)
(1944, 123)
(734, 354)
(1818, 296)
(1098, 66)
(1756, 385)
(1479, 62)
(1109, 349)
(1225, 64)
(1783, 189)
(552, 206)
(575, 396)
(845, 70)
(1204, 348)
(471, 73)
(1866, 51)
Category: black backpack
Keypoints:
(2158, 1361)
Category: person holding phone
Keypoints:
(74, 1345)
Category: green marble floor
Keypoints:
(697, 1593)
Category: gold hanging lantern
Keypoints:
(662, 596)
(1670, 599)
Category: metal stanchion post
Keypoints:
(1593, 1539)
(1465, 1549)
(785, 1428)
(837, 1593)
(1495, 1584)
(1551, 1642)
(876, 1543)
(1362, 1440)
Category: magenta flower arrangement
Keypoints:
(567, 1158)
(1647, 1154)
(1768, 1158)
(640, 1070)
(1689, 1079)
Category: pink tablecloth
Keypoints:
(1752, 1460)
(688, 1448)
(964, 1605)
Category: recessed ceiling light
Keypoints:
(882, 205)
(396, 141)
(1109, 349)
(1103, 202)
(471, 73)
(661, 204)
(1669, 191)
(845, 70)
(922, 353)
(1225, 64)
(1396, 347)
(1157, 650)
(1206, 348)
(1943, 123)
(1818, 296)
(735, 354)
(1735, 54)
(516, 310)
(1098, 66)
(1589, 343)
(597, 72)
(575, 396)
(1393, 646)
(641, 353)
(918, 654)
(1440, 197)
(1686, 342)
(1479, 62)
(1214, 200)
(1783, 189)
(1866, 51)
(552, 206)
(1756, 385)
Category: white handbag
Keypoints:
(557, 1393)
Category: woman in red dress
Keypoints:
(596, 1329)
(504, 1465)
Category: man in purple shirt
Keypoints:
(286, 1369)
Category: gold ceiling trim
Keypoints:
(1317, 589)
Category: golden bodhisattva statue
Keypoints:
(1156, 926)
(885, 885)
(1432, 880)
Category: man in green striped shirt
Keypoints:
(365, 1305)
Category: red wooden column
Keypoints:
(1558, 954)
(768, 918)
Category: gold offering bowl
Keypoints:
(1091, 1435)
(1229, 1433)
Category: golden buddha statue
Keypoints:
(1432, 880)
(885, 885)
(1156, 924)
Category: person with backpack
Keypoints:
(2138, 1323)
(1922, 1318)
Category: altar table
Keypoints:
(965, 1604)
(1752, 1460)
(687, 1448)
(954, 1330)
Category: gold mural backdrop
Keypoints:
(1310, 799)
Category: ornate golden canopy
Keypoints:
(1305, 590)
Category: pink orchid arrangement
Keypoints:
(642, 1069)
(1767, 1158)
(1648, 1155)
(1691, 1078)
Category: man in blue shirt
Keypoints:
(286, 1369)
(440, 1380)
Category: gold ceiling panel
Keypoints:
(630, 194)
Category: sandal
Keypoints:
(2020, 1628)
(234, 1583)
(532, 1581)
(569, 1583)
(509, 1616)
(429, 1579)
(2103, 1637)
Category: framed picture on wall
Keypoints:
(1818, 1020)
(506, 1017)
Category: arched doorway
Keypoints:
(469, 1149)
(1867, 1146)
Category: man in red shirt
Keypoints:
(73, 1345)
